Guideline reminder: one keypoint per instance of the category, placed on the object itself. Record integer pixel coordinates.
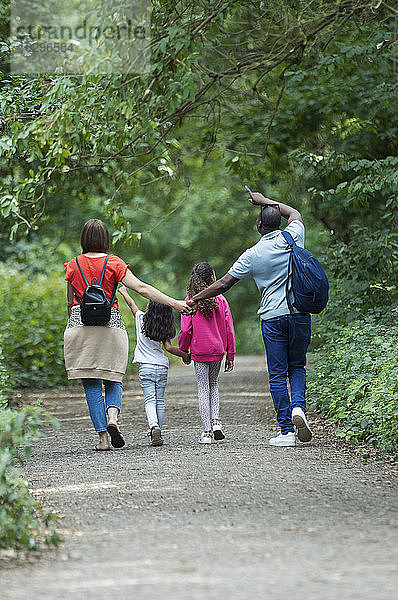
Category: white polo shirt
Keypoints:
(267, 262)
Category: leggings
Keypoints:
(209, 399)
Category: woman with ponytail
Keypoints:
(209, 334)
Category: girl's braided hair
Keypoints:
(200, 279)
(158, 322)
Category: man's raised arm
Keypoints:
(218, 287)
(291, 214)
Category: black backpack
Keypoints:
(95, 308)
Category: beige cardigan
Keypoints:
(97, 352)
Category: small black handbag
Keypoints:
(95, 307)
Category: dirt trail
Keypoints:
(236, 520)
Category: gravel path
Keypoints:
(236, 520)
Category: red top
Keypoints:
(92, 267)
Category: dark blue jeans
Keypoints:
(286, 341)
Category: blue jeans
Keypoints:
(95, 400)
(286, 341)
(153, 380)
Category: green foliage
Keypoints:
(33, 309)
(354, 381)
(4, 380)
(363, 280)
(21, 518)
(121, 131)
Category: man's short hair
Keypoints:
(270, 218)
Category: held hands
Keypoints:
(193, 305)
(183, 307)
(229, 365)
(187, 358)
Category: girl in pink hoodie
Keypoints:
(209, 334)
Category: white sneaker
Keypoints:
(205, 437)
(284, 439)
(300, 423)
(217, 431)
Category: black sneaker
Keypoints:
(156, 436)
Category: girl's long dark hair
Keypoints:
(201, 279)
(158, 322)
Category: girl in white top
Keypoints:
(154, 327)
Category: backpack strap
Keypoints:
(84, 278)
(113, 293)
(114, 287)
(289, 239)
(289, 304)
(83, 275)
(103, 270)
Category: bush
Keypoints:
(354, 381)
(33, 309)
(363, 280)
(21, 518)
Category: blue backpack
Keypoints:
(310, 285)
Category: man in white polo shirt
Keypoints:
(286, 334)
